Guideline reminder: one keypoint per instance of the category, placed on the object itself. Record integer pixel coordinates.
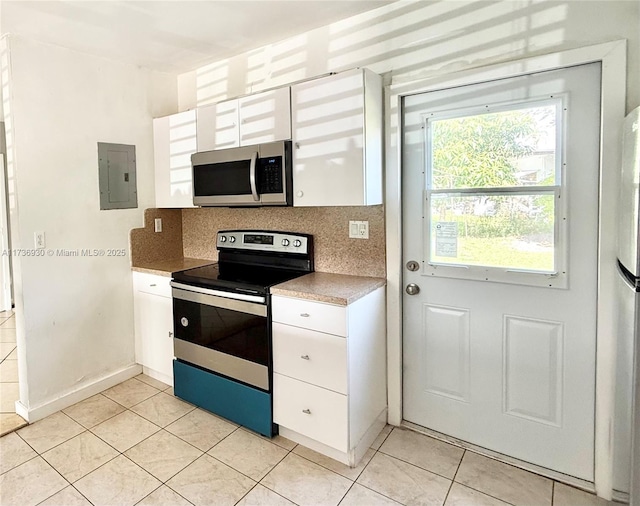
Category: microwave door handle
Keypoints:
(252, 176)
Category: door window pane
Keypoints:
(509, 231)
(509, 148)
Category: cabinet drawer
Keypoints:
(312, 411)
(310, 315)
(152, 283)
(307, 355)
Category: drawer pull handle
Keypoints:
(304, 315)
(153, 284)
(170, 334)
(304, 357)
(306, 411)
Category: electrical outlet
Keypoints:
(158, 224)
(363, 230)
(38, 239)
(359, 229)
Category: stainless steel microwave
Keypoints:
(259, 175)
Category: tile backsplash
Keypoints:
(147, 246)
(334, 250)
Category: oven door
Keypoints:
(228, 336)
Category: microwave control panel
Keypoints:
(270, 171)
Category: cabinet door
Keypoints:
(265, 117)
(218, 126)
(155, 325)
(328, 135)
(174, 141)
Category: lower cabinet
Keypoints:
(329, 381)
(153, 314)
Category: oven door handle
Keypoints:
(252, 176)
(219, 299)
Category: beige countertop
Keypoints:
(167, 267)
(340, 289)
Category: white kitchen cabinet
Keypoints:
(218, 126)
(329, 390)
(253, 119)
(153, 315)
(174, 141)
(336, 130)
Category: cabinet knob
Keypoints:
(304, 315)
(299, 194)
(304, 357)
(297, 145)
(306, 411)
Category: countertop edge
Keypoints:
(168, 267)
(326, 297)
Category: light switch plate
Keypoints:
(38, 240)
(353, 229)
(157, 224)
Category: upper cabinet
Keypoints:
(174, 141)
(335, 123)
(336, 130)
(257, 118)
(218, 126)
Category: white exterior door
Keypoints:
(500, 214)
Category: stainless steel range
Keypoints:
(222, 324)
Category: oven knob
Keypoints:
(223, 238)
(184, 321)
(285, 242)
(297, 243)
(232, 239)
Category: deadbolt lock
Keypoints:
(412, 265)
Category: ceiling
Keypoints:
(171, 36)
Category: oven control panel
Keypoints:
(256, 240)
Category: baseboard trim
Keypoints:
(158, 375)
(81, 393)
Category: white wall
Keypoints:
(418, 39)
(75, 314)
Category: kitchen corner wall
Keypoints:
(334, 250)
(147, 246)
(74, 312)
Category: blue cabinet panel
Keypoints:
(234, 401)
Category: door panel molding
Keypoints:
(524, 340)
(448, 331)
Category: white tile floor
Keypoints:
(9, 394)
(136, 443)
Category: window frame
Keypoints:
(552, 279)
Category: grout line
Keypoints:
(417, 466)
(81, 494)
(378, 492)
(177, 493)
(353, 484)
(385, 438)
(247, 493)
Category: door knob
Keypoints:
(412, 289)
